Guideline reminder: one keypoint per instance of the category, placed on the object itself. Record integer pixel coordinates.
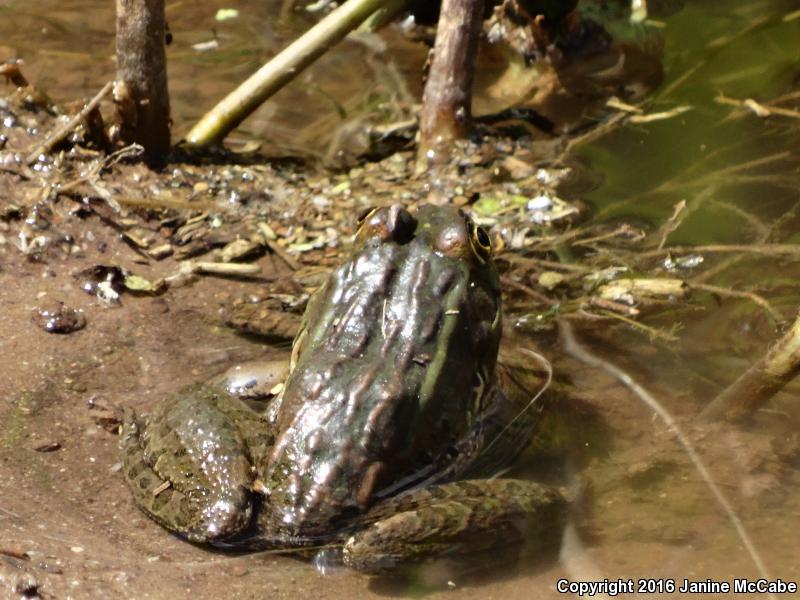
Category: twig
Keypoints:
(659, 116)
(761, 381)
(788, 250)
(655, 334)
(283, 68)
(760, 110)
(595, 133)
(756, 223)
(708, 179)
(573, 348)
(622, 230)
(766, 235)
(213, 268)
(538, 296)
(672, 223)
(684, 77)
(748, 164)
(269, 242)
(94, 171)
(547, 264)
(721, 291)
(62, 132)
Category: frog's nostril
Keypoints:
(388, 223)
(400, 224)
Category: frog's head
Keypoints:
(395, 361)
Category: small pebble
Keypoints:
(57, 317)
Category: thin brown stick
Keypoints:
(672, 223)
(755, 298)
(759, 109)
(538, 296)
(546, 264)
(268, 237)
(594, 134)
(622, 230)
(62, 132)
(788, 250)
(760, 382)
(94, 171)
(653, 332)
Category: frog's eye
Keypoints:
(365, 214)
(480, 241)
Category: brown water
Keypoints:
(652, 516)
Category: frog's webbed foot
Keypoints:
(456, 521)
(188, 467)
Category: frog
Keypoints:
(389, 434)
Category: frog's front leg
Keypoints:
(189, 463)
(456, 520)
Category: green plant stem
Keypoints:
(283, 68)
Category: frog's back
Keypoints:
(385, 383)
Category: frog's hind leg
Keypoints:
(188, 466)
(457, 522)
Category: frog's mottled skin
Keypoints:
(391, 402)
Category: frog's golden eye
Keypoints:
(480, 241)
(365, 214)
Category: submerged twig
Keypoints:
(538, 296)
(757, 108)
(595, 133)
(721, 291)
(761, 381)
(62, 132)
(672, 223)
(659, 116)
(788, 250)
(655, 334)
(574, 349)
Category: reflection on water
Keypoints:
(736, 172)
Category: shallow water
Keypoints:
(651, 514)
